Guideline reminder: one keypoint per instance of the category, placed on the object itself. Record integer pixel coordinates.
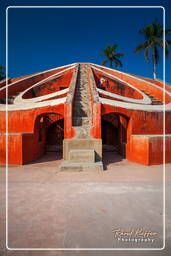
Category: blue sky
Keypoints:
(41, 39)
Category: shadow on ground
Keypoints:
(111, 157)
(48, 157)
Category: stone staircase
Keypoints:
(153, 99)
(81, 106)
(82, 152)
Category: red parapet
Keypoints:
(96, 124)
(68, 129)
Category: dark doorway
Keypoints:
(114, 137)
(109, 136)
(48, 137)
(55, 136)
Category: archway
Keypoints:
(49, 135)
(55, 136)
(109, 136)
(114, 137)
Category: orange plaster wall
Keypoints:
(2, 121)
(22, 148)
(148, 150)
(168, 149)
(156, 150)
(14, 149)
(96, 125)
(31, 153)
(168, 122)
(23, 121)
(137, 150)
(68, 129)
(147, 122)
(143, 122)
(106, 109)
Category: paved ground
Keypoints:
(48, 208)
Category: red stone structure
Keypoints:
(85, 108)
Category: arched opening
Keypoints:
(109, 136)
(55, 136)
(114, 137)
(48, 136)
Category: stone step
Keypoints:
(81, 121)
(80, 113)
(81, 156)
(82, 144)
(153, 99)
(78, 101)
(82, 132)
(78, 167)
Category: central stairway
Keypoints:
(82, 152)
(81, 106)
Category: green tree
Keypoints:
(2, 72)
(110, 52)
(153, 34)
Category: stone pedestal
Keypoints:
(82, 155)
(83, 144)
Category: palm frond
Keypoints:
(118, 63)
(153, 34)
(168, 31)
(119, 55)
(141, 47)
(110, 52)
(159, 42)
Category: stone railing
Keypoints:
(95, 107)
(68, 129)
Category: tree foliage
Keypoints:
(110, 52)
(153, 34)
(2, 72)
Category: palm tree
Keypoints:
(153, 34)
(110, 52)
(2, 72)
